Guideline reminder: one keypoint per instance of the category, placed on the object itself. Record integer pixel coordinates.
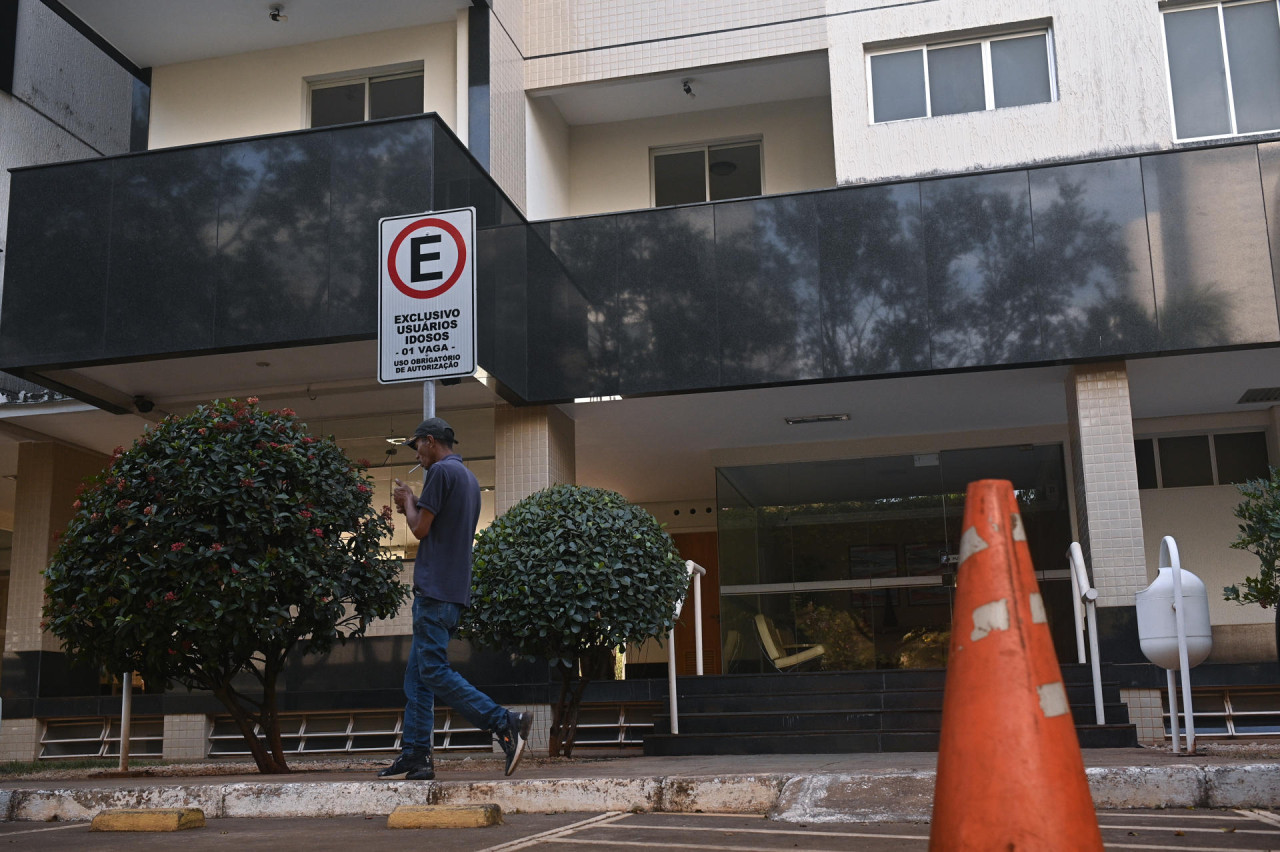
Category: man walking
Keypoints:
(444, 520)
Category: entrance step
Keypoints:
(833, 712)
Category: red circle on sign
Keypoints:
(448, 282)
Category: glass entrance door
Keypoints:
(850, 564)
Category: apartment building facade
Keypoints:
(789, 274)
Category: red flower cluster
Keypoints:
(246, 483)
(124, 504)
(150, 510)
(253, 400)
(304, 514)
(77, 504)
(116, 530)
(177, 545)
(288, 412)
(319, 533)
(202, 431)
(363, 489)
(170, 597)
(215, 547)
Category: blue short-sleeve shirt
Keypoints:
(442, 569)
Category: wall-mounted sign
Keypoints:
(427, 296)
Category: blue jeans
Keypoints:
(429, 675)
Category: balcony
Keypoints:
(271, 242)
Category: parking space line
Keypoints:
(1261, 816)
(1166, 848)
(38, 830)
(717, 848)
(557, 833)
(789, 832)
(1273, 832)
(1174, 814)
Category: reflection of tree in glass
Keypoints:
(874, 317)
(983, 305)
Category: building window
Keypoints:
(688, 175)
(1224, 64)
(972, 76)
(1186, 460)
(365, 98)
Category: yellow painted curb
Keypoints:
(148, 819)
(444, 816)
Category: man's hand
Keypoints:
(402, 494)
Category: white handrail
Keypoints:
(1169, 559)
(696, 572)
(1084, 592)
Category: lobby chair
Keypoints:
(785, 657)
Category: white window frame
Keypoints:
(1226, 62)
(706, 148)
(988, 84)
(366, 78)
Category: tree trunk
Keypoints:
(596, 664)
(262, 756)
(271, 715)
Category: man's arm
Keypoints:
(419, 519)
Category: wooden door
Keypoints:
(703, 548)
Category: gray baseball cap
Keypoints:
(434, 427)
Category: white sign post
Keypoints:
(427, 296)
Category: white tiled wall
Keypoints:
(507, 119)
(572, 42)
(19, 739)
(1146, 713)
(1108, 507)
(535, 450)
(186, 736)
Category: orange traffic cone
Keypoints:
(1010, 774)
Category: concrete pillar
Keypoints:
(533, 450)
(48, 475)
(1106, 481)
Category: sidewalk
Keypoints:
(788, 787)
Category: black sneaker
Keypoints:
(515, 738)
(405, 764)
(424, 771)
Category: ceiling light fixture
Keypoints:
(816, 418)
(687, 88)
(276, 13)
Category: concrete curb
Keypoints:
(886, 796)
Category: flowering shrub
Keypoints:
(217, 544)
(568, 573)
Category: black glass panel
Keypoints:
(984, 305)
(1185, 461)
(1269, 161)
(502, 268)
(163, 274)
(1209, 253)
(1093, 263)
(767, 270)
(55, 260)
(875, 314)
(337, 104)
(587, 248)
(559, 332)
(679, 178)
(378, 170)
(734, 172)
(273, 239)
(396, 96)
(667, 300)
(1241, 456)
